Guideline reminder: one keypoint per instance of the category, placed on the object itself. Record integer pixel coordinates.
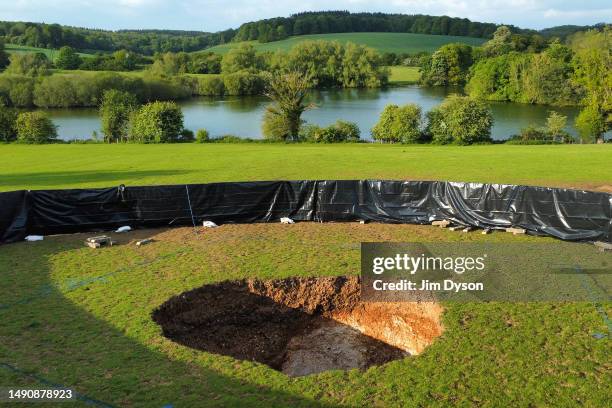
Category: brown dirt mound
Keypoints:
(299, 326)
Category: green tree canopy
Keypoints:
(157, 122)
(341, 131)
(170, 63)
(590, 124)
(449, 65)
(500, 44)
(287, 91)
(68, 58)
(399, 124)
(460, 120)
(8, 124)
(332, 64)
(35, 127)
(30, 64)
(593, 71)
(544, 78)
(555, 126)
(116, 107)
(243, 57)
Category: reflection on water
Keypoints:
(241, 116)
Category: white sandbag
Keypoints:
(34, 238)
(209, 224)
(287, 220)
(125, 228)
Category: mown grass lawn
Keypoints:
(383, 42)
(81, 318)
(99, 165)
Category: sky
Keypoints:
(215, 15)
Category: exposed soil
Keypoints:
(299, 326)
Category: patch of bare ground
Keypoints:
(299, 326)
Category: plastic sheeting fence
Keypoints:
(563, 213)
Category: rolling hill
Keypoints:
(24, 49)
(383, 42)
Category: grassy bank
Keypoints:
(71, 166)
(383, 42)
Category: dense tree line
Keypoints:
(171, 63)
(28, 80)
(451, 63)
(543, 78)
(516, 68)
(146, 42)
(75, 90)
(345, 22)
(323, 63)
(579, 73)
(150, 42)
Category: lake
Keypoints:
(241, 116)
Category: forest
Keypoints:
(149, 42)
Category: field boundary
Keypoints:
(562, 213)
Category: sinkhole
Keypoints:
(298, 326)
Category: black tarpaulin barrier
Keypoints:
(563, 213)
(13, 216)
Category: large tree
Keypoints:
(593, 71)
(449, 65)
(500, 44)
(460, 120)
(68, 58)
(241, 58)
(287, 92)
(35, 127)
(399, 124)
(157, 122)
(8, 119)
(31, 64)
(115, 110)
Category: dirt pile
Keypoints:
(299, 326)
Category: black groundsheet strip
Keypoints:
(562, 213)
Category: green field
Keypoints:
(80, 318)
(400, 75)
(71, 166)
(24, 49)
(383, 42)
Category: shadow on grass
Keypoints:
(57, 341)
(112, 177)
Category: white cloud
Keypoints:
(602, 14)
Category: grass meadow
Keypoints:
(101, 165)
(80, 317)
(383, 42)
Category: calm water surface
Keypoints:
(241, 116)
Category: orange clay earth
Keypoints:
(299, 326)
